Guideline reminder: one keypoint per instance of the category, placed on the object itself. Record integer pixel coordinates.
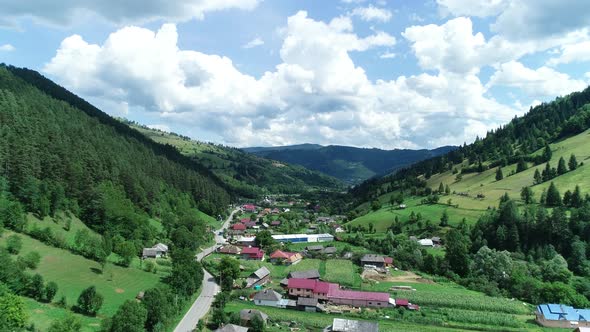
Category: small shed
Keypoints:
(308, 304)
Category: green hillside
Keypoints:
(247, 174)
(349, 164)
(85, 194)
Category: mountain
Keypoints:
(349, 164)
(247, 174)
(60, 153)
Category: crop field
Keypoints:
(74, 273)
(340, 271)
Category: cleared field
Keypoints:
(340, 271)
(74, 273)
(42, 315)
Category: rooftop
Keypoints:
(268, 295)
(349, 325)
(307, 274)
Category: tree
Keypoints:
(561, 167)
(537, 177)
(441, 188)
(13, 313)
(553, 196)
(494, 265)
(521, 165)
(89, 301)
(526, 194)
(50, 291)
(159, 303)
(35, 288)
(14, 244)
(69, 323)
(257, 324)
(264, 239)
(547, 154)
(127, 252)
(457, 252)
(573, 162)
(577, 200)
(444, 219)
(375, 205)
(130, 317)
(31, 259)
(447, 190)
(499, 174)
(555, 270)
(229, 270)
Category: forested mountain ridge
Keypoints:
(349, 164)
(248, 175)
(58, 152)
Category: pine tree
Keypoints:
(553, 196)
(526, 194)
(561, 168)
(521, 166)
(444, 219)
(447, 190)
(499, 174)
(573, 162)
(441, 188)
(576, 200)
(547, 154)
(537, 177)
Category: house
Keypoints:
(349, 325)
(317, 248)
(562, 316)
(268, 297)
(157, 251)
(252, 253)
(276, 211)
(250, 224)
(401, 303)
(244, 220)
(373, 260)
(299, 238)
(388, 261)
(286, 258)
(275, 223)
(238, 229)
(232, 328)
(426, 243)
(310, 288)
(246, 241)
(331, 292)
(307, 274)
(325, 220)
(307, 304)
(230, 250)
(249, 208)
(246, 315)
(258, 277)
(436, 240)
(330, 251)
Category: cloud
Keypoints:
(543, 82)
(66, 12)
(254, 43)
(577, 52)
(316, 93)
(372, 13)
(7, 48)
(524, 19)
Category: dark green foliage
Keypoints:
(35, 287)
(13, 313)
(69, 323)
(31, 259)
(229, 270)
(444, 219)
(187, 274)
(553, 196)
(526, 194)
(127, 252)
(256, 324)
(60, 153)
(160, 305)
(457, 252)
(499, 174)
(573, 163)
(376, 205)
(130, 317)
(14, 244)
(50, 291)
(89, 301)
(547, 153)
(537, 178)
(264, 239)
(521, 165)
(561, 167)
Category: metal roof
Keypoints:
(349, 325)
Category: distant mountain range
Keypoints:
(349, 164)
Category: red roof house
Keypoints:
(287, 258)
(401, 302)
(388, 261)
(249, 207)
(252, 253)
(332, 292)
(239, 227)
(275, 223)
(244, 220)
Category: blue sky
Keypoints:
(371, 73)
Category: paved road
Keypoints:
(202, 304)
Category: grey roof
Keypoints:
(330, 250)
(314, 248)
(307, 301)
(161, 246)
(150, 252)
(372, 258)
(246, 314)
(284, 282)
(307, 274)
(261, 272)
(268, 295)
(232, 328)
(348, 325)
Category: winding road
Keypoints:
(210, 288)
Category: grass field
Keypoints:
(42, 315)
(74, 273)
(340, 271)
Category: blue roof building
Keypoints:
(560, 315)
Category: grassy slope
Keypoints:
(74, 273)
(485, 183)
(222, 161)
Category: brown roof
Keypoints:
(247, 314)
(307, 301)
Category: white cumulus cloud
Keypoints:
(7, 48)
(254, 43)
(372, 13)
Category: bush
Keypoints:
(31, 260)
(50, 291)
(14, 244)
(89, 302)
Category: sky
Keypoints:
(366, 73)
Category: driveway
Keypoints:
(203, 303)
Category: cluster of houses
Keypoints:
(562, 316)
